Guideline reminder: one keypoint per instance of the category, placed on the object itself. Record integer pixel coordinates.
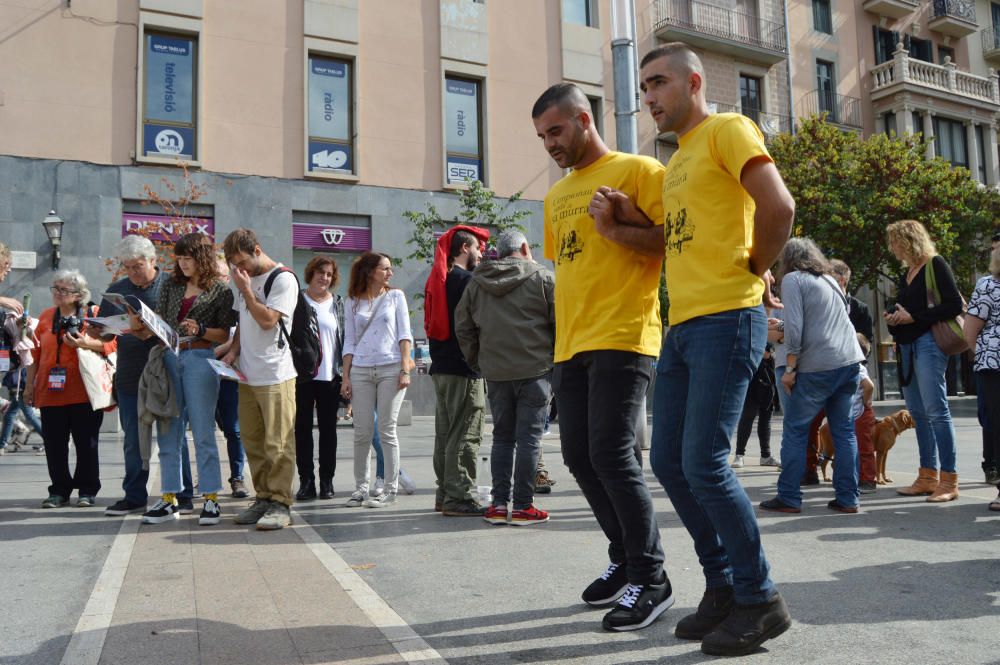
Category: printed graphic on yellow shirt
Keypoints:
(677, 229)
(569, 247)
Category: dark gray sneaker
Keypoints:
(713, 609)
(639, 606)
(747, 627)
(253, 513)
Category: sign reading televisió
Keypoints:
(169, 108)
(329, 115)
(324, 238)
(163, 229)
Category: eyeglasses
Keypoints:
(58, 290)
(996, 237)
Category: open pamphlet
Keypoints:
(151, 319)
(227, 371)
(116, 324)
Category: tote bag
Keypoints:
(98, 374)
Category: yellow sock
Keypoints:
(170, 497)
(213, 496)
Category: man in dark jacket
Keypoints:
(506, 324)
(461, 395)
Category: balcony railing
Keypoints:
(960, 9)
(722, 23)
(991, 42)
(903, 70)
(839, 109)
(770, 124)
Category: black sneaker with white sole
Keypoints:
(162, 511)
(639, 606)
(185, 506)
(607, 588)
(210, 514)
(124, 507)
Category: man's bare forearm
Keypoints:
(645, 240)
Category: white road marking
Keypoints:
(411, 647)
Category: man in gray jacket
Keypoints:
(505, 324)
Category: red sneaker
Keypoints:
(529, 515)
(496, 515)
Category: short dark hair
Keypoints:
(319, 262)
(566, 96)
(672, 50)
(459, 240)
(240, 240)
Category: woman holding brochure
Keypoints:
(198, 305)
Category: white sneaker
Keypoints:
(406, 483)
(379, 487)
(770, 461)
(357, 498)
(380, 501)
(737, 462)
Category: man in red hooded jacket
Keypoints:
(461, 394)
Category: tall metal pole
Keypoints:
(623, 61)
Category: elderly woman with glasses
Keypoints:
(55, 385)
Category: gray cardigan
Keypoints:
(817, 327)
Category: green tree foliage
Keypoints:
(848, 189)
(478, 206)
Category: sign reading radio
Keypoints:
(330, 238)
(330, 146)
(462, 131)
(163, 229)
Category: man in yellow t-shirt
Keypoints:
(727, 214)
(607, 337)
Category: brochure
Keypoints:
(151, 319)
(116, 324)
(226, 371)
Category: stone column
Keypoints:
(904, 121)
(928, 131)
(992, 158)
(973, 147)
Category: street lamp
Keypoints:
(53, 225)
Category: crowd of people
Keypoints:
(510, 331)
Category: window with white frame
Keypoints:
(170, 96)
(463, 130)
(581, 12)
(331, 115)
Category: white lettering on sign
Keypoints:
(333, 236)
(143, 227)
(329, 159)
(458, 172)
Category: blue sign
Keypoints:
(167, 141)
(459, 168)
(330, 157)
(169, 79)
(329, 100)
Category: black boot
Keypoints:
(747, 627)
(326, 488)
(713, 609)
(307, 490)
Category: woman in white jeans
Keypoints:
(377, 366)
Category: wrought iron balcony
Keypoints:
(956, 18)
(991, 44)
(771, 124)
(891, 8)
(722, 30)
(904, 73)
(839, 109)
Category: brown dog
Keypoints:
(884, 435)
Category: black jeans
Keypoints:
(599, 394)
(84, 424)
(321, 397)
(754, 409)
(989, 395)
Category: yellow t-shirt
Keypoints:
(606, 295)
(708, 225)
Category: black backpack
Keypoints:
(307, 352)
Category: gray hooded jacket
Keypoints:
(506, 321)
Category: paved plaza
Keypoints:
(902, 582)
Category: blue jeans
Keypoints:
(832, 391)
(134, 483)
(17, 404)
(520, 410)
(701, 382)
(927, 400)
(197, 390)
(227, 417)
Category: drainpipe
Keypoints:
(788, 69)
(623, 62)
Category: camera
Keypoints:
(891, 309)
(69, 325)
